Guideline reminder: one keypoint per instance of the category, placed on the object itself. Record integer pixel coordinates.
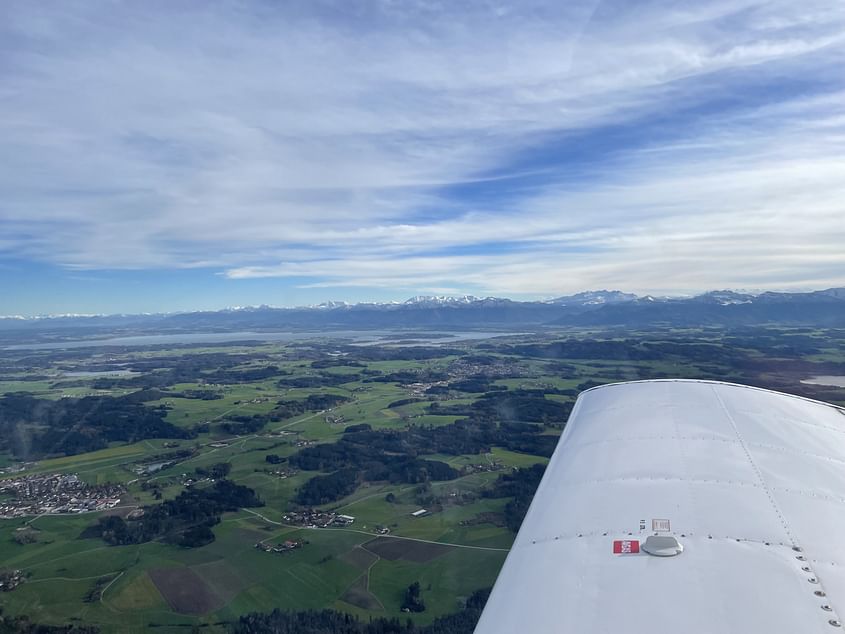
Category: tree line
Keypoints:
(31, 427)
(185, 520)
(394, 455)
(332, 622)
(520, 484)
(529, 406)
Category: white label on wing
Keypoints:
(660, 525)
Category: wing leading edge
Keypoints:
(749, 484)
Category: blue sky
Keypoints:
(164, 155)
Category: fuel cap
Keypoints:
(662, 546)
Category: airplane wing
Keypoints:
(683, 506)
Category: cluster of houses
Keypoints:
(285, 547)
(55, 493)
(284, 473)
(313, 518)
(253, 401)
(10, 579)
(418, 390)
(483, 467)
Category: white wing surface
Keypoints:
(749, 483)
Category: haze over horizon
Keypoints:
(581, 298)
(161, 157)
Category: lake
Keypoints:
(835, 381)
(92, 373)
(385, 337)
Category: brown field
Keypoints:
(185, 591)
(360, 558)
(392, 548)
(358, 595)
(224, 580)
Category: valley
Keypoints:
(317, 473)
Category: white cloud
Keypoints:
(325, 146)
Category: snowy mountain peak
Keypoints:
(594, 298)
(442, 300)
(243, 309)
(330, 305)
(726, 298)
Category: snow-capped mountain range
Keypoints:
(600, 307)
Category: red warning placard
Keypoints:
(626, 546)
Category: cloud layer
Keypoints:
(511, 148)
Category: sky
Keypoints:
(177, 155)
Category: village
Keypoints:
(314, 518)
(490, 368)
(462, 369)
(55, 493)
